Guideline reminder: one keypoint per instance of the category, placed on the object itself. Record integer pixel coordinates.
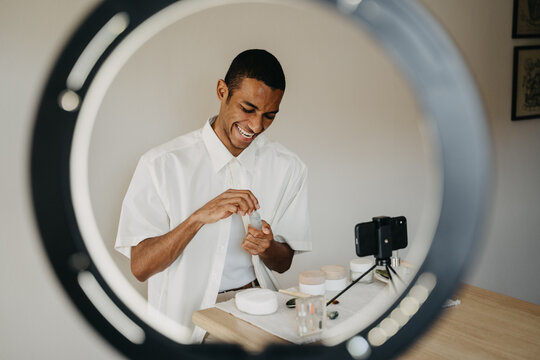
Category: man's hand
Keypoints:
(230, 202)
(155, 254)
(256, 241)
(275, 255)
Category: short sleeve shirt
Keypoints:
(175, 179)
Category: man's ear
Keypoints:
(222, 90)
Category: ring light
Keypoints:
(418, 46)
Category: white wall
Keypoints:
(33, 304)
(506, 261)
(37, 320)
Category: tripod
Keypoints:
(386, 262)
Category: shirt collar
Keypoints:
(220, 155)
(247, 157)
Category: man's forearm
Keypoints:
(155, 254)
(278, 256)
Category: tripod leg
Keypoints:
(351, 284)
(390, 277)
(397, 275)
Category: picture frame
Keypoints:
(526, 19)
(526, 83)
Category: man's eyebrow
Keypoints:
(250, 104)
(256, 108)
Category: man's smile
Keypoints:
(244, 133)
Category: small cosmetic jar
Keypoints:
(336, 277)
(312, 282)
(257, 301)
(359, 266)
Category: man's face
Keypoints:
(247, 113)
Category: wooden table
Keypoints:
(486, 325)
(230, 329)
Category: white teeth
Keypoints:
(244, 133)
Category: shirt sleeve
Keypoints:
(292, 224)
(143, 214)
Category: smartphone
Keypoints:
(368, 239)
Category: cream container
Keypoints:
(312, 282)
(359, 266)
(336, 277)
(257, 301)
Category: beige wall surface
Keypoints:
(32, 33)
(37, 320)
(505, 261)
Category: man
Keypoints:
(184, 220)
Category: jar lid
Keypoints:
(311, 277)
(334, 272)
(361, 264)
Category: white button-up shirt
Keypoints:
(175, 179)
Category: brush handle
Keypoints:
(293, 293)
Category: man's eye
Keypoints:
(249, 111)
(270, 117)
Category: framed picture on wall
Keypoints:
(526, 19)
(526, 83)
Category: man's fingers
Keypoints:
(249, 200)
(231, 209)
(266, 227)
(254, 199)
(244, 194)
(223, 212)
(227, 198)
(256, 244)
(251, 247)
(265, 230)
(241, 203)
(232, 201)
(250, 250)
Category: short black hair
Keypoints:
(255, 64)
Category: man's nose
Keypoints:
(256, 124)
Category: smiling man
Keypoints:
(184, 222)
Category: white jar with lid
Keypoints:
(312, 282)
(359, 266)
(336, 277)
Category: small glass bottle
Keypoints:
(310, 315)
(255, 220)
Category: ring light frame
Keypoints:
(445, 92)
